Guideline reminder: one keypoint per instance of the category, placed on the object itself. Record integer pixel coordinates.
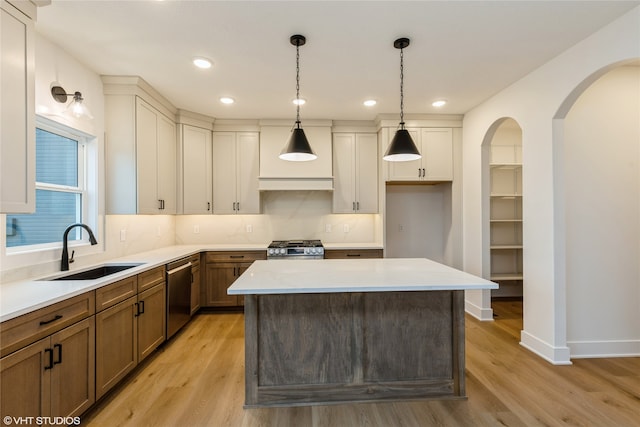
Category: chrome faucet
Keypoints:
(64, 264)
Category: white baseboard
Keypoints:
(484, 314)
(554, 355)
(592, 349)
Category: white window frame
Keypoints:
(84, 140)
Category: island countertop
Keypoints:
(362, 275)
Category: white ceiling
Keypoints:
(464, 51)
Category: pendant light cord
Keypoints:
(298, 85)
(401, 89)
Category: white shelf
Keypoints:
(504, 247)
(506, 195)
(505, 166)
(506, 276)
(505, 220)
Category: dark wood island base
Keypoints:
(326, 348)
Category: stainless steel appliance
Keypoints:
(179, 280)
(295, 249)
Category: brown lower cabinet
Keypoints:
(221, 270)
(129, 327)
(352, 253)
(53, 376)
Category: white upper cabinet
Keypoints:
(235, 172)
(17, 120)
(436, 164)
(197, 171)
(140, 149)
(355, 170)
(155, 161)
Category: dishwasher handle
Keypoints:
(182, 267)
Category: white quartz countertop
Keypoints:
(346, 275)
(24, 296)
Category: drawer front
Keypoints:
(236, 256)
(150, 278)
(110, 295)
(195, 260)
(24, 330)
(352, 253)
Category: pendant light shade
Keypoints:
(402, 147)
(298, 148)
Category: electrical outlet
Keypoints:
(196, 229)
(327, 228)
(123, 234)
(400, 227)
(249, 228)
(345, 227)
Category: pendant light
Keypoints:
(402, 147)
(298, 148)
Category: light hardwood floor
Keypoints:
(197, 379)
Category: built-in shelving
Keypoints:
(505, 221)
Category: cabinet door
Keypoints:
(219, 276)
(406, 171)
(116, 344)
(25, 381)
(224, 172)
(73, 374)
(197, 179)
(248, 168)
(147, 158)
(151, 320)
(166, 168)
(344, 199)
(17, 121)
(437, 146)
(366, 172)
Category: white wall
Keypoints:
(418, 221)
(54, 65)
(602, 197)
(534, 102)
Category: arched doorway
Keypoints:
(598, 142)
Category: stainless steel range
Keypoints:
(295, 249)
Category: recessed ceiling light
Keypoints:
(299, 101)
(227, 100)
(203, 63)
(370, 102)
(439, 103)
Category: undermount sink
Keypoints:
(96, 273)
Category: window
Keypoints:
(61, 193)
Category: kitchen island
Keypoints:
(334, 331)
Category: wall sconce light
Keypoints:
(76, 108)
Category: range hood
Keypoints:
(277, 174)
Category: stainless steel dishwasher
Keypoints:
(179, 280)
